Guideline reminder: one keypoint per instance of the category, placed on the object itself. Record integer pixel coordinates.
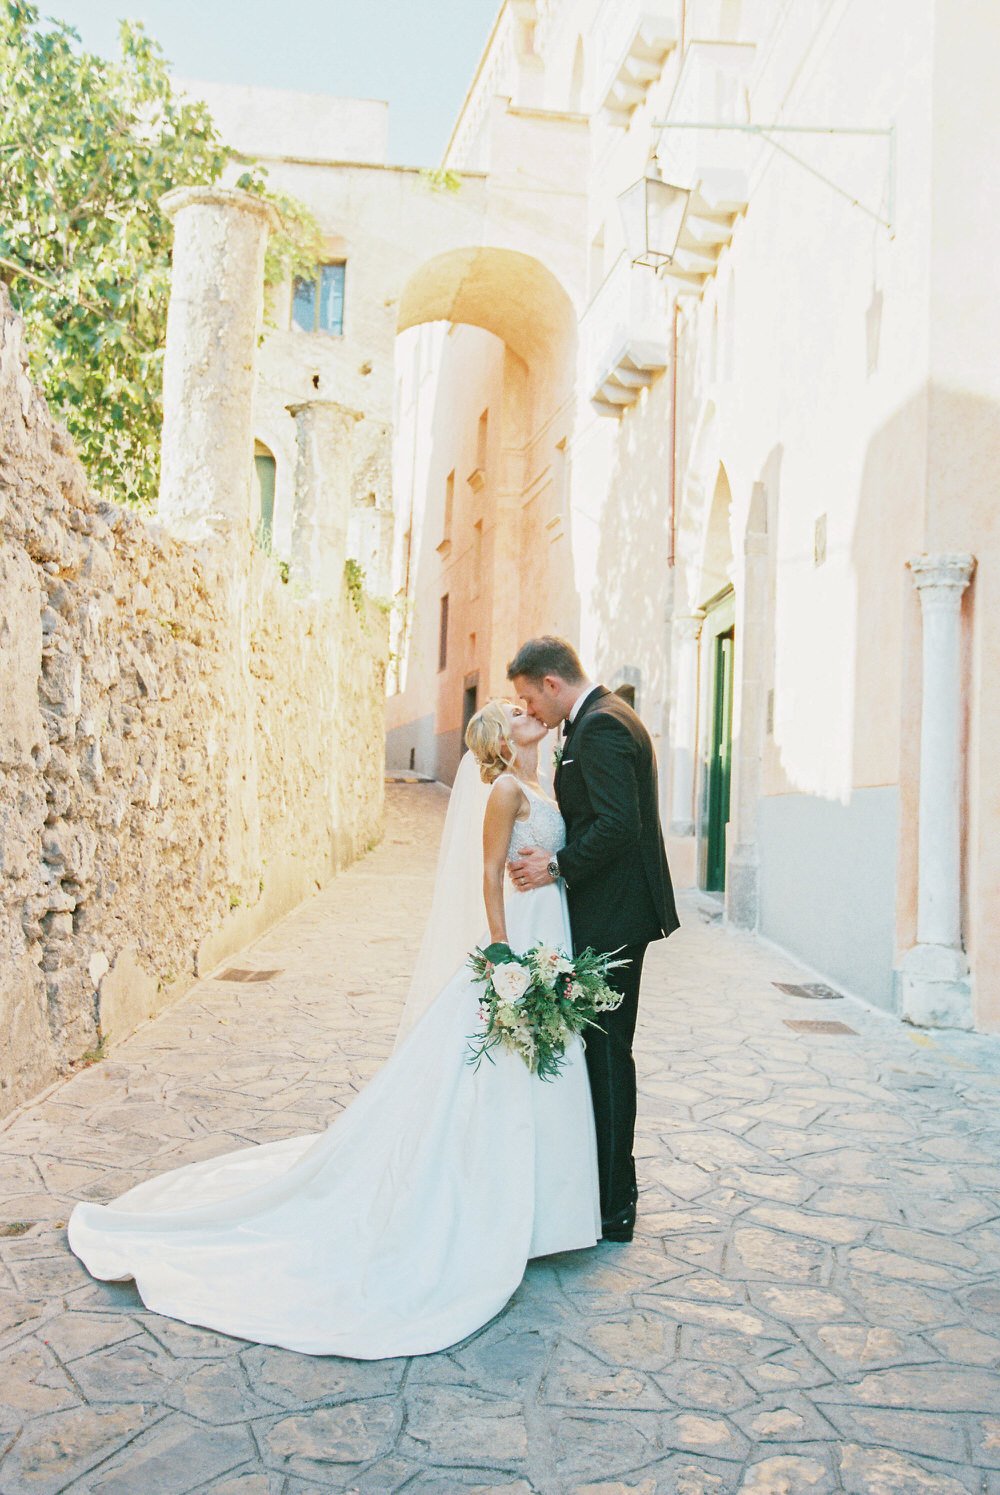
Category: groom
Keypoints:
(614, 867)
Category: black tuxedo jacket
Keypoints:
(614, 860)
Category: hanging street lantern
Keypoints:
(653, 215)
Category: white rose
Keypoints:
(511, 980)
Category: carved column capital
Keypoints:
(232, 198)
(946, 574)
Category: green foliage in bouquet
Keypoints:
(533, 1004)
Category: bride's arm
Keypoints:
(502, 806)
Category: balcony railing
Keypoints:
(623, 337)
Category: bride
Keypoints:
(406, 1225)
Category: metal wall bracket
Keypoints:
(767, 132)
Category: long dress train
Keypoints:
(403, 1227)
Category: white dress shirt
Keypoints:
(574, 710)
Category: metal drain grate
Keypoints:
(814, 990)
(816, 1025)
(233, 974)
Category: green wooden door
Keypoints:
(720, 761)
(715, 737)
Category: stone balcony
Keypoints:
(623, 338)
(713, 163)
(635, 45)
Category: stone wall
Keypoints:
(188, 747)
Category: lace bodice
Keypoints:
(543, 827)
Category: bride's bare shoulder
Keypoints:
(506, 786)
(507, 794)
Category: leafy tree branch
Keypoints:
(88, 146)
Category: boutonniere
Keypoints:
(557, 754)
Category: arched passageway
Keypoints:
(513, 295)
(485, 360)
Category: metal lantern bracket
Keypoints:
(888, 133)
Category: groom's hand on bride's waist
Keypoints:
(531, 869)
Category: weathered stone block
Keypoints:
(188, 803)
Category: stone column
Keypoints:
(209, 369)
(934, 975)
(324, 432)
(371, 526)
(684, 725)
(369, 541)
(743, 869)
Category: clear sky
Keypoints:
(419, 56)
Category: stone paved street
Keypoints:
(812, 1302)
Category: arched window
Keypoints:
(264, 473)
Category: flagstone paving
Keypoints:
(811, 1303)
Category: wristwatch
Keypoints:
(553, 869)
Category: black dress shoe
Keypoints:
(620, 1227)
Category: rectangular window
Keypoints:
(443, 634)
(449, 504)
(318, 300)
(482, 437)
(477, 477)
(331, 298)
(470, 701)
(477, 557)
(304, 304)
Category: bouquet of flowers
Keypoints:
(534, 1003)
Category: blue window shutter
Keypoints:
(331, 298)
(304, 304)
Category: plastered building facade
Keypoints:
(755, 486)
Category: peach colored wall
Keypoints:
(515, 579)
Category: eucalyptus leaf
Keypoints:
(498, 953)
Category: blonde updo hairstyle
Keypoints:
(488, 739)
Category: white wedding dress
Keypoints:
(403, 1227)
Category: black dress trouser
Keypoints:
(612, 1085)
